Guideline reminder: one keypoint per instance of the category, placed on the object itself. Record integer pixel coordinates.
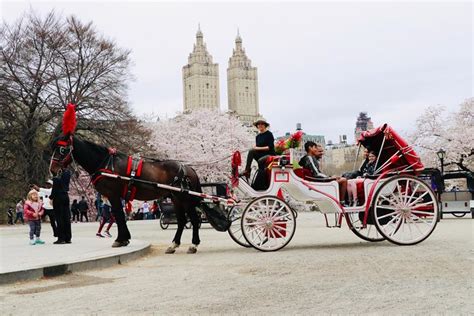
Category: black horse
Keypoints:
(93, 158)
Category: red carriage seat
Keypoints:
(360, 190)
(306, 174)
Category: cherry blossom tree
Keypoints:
(204, 139)
(452, 131)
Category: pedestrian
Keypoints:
(19, 212)
(156, 210)
(107, 216)
(10, 215)
(75, 211)
(60, 197)
(129, 209)
(146, 210)
(98, 205)
(83, 207)
(33, 209)
(48, 206)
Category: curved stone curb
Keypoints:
(74, 266)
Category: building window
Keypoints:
(189, 87)
(207, 85)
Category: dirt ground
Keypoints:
(322, 271)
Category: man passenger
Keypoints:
(311, 161)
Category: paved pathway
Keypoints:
(322, 271)
(22, 261)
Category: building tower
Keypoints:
(363, 123)
(200, 78)
(242, 85)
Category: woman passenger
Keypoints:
(367, 169)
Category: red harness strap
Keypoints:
(130, 172)
(99, 176)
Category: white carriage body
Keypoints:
(284, 178)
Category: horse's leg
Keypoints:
(194, 217)
(181, 217)
(123, 236)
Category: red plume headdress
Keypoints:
(69, 120)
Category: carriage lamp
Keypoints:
(441, 153)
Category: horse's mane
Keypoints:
(105, 150)
(100, 148)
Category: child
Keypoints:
(33, 210)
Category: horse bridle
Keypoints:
(65, 154)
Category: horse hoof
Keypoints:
(123, 243)
(192, 250)
(170, 250)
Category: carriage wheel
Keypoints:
(369, 233)
(268, 223)
(405, 210)
(459, 214)
(235, 229)
(163, 225)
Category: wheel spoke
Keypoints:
(399, 193)
(420, 198)
(386, 199)
(387, 215)
(417, 227)
(421, 220)
(278, 211)
(422, 213)
(391, 222)
(413, 193)
(409, 228)
(285, 216)
(422, 204)
(277, 231)
(405, 194)
(393, 208)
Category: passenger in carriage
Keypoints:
(314, 153)
(360, 172)
(264, 147)
(367, 169)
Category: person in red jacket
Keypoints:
(34, 210)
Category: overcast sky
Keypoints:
(319, 63)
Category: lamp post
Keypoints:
(441, 153)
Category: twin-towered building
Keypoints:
(201, 82)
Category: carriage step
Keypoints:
(337, 221)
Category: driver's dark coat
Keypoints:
(61, 184)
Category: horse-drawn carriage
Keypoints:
(397, 205)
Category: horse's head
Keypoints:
(62, 146)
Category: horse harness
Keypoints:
(133, 174)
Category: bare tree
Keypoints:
(47, 62)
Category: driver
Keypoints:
(264, 147)
(314, 153)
